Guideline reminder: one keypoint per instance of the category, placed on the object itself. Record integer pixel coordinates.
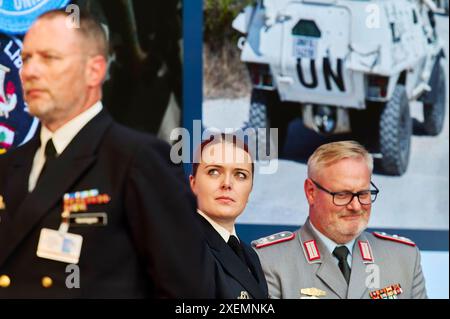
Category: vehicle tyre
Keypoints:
(395, 133)
(267, 111)
(434, 114)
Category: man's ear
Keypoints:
(309, 191)
(96, 70)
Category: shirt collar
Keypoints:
(225, 234)
(330, 244)
(64, 135)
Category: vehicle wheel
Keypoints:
(434, 114)
(395, 133)
(365, 125)
(267, 111)
(258, 120)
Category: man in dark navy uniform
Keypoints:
(91, 209)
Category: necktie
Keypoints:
(50, 155)
(341, 254)
(234, 243)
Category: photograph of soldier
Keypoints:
(332, 256)
(222, 179)
(90, 208)
(375, 72)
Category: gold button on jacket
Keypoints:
(5, 281)
(47, 282)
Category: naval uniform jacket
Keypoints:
(150, 245)
(234, 279)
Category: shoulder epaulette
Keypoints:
(273, 239)
(396, 238)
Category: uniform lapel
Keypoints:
(254, 265)
(62, 174)
(230, 261)
(327, 270)
(17, 188)
(357, 285)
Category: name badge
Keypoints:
(88, 219)
(59, 246)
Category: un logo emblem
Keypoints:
(16, 124)
(16, 16)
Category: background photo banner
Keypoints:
(18, 15)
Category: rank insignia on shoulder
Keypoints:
(312, 293)
(390, 292)
(273, 239)
(396, 238)
(2, 203)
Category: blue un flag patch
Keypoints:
(16, 124)
(18, 15)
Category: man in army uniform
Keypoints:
(332, 256)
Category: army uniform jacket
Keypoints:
(382, 266)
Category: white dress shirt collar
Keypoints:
(225, 234)
(61, 139)
(64, 135)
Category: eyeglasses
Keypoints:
(366, 197)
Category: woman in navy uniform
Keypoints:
(222, 180)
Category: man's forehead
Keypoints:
(345, 163)
(345, 166)
(342, 177)
(49, 24)
(52, 33)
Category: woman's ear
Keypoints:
(192, 183)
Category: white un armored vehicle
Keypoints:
(346, 66)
